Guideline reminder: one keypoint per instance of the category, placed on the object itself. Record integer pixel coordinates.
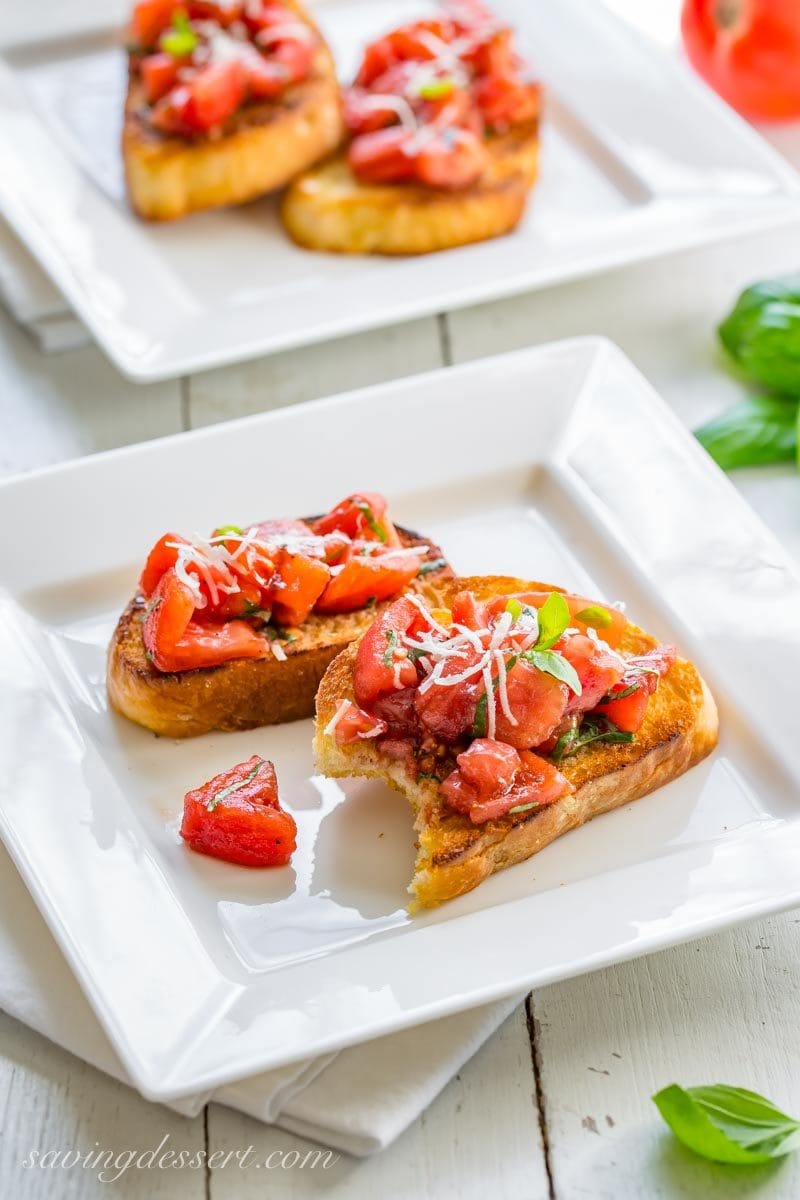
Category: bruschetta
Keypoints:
(236, 630)
(443, 125)
(507, 712)
(226, 101)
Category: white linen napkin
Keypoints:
(358, 1100)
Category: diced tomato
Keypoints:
(466, 610)
(628, 712)
(159, 75)
(420, 41)
(266, 79)
(280, 528)
(448, 711)
(597, 668)
(491, 779)
(237, 817)
(355, 725)
(383, 156)
(265, 16)
(149, 20)
(489, 766)
(361, 115)
(301, 581)
(494, 54)
(378, 669)
(176, 643)
(504, 100)
(205, 102)
(160, 559)
(537, 701)
(368, 577)
(244, 603)
(454, 158)
(361, 516)
(397, 709)
(225, 12)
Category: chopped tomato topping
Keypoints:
(491, 780)
(176, 643)
(149, 20)
(597, 668)
(419, 42)
(504, 100)
(362, 517)
(353, 724)
(237, 817)
(364, 578)
(467, 610)
(159, 75)
(204, 102)
(536, 700)
(160, 559)
(301, 581)
(382, 664)
(609, 622)
(448, 709)
(633, 691)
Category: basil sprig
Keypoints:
(181, 40)
(592, 729)
(433, 564)
(372, 520)
(756, 431)
(553, 620)
(556, 665)
(596, 616)
(728, 1124)
(388, 654)
(234, 787)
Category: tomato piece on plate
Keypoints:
(149, 20)
(160, 559)
(159, 75)
(176, 643)
(381, 667)
(299, 584)
(352, 724)
(368, 577)
(361, 516)
(237, 817)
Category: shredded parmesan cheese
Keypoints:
(337, 716)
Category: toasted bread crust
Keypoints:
(242, 694)
(454, 856)
(327, 208)
(261, 147)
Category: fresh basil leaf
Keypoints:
(181, 40)
(233, 530)
(553, 663)
(627, 691)
(433, 564)
(758, 430)
(592, 729)
(514, 607)
(480, 721)
(762, 333)
(436, 89)
(388, 654)
(371, 519)
(553, 620)
(728, 1124)
(518, 808)
(596, 616)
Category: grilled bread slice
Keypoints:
(453, 855)
(327, 208)
(244, 693)
(261, 147)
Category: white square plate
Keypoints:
(638, 159)
(558, 463)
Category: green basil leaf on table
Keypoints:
(728, 1124)
(762, 333)
(758, 430)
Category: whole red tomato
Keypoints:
(749, 51)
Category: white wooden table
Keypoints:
(557, 1103)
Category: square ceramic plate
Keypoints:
(638, 159)
(558, 463)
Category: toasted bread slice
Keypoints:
(454, 855)
(245, 693)
(327, 208)
(260, 149)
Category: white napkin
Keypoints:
(358, 1100)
